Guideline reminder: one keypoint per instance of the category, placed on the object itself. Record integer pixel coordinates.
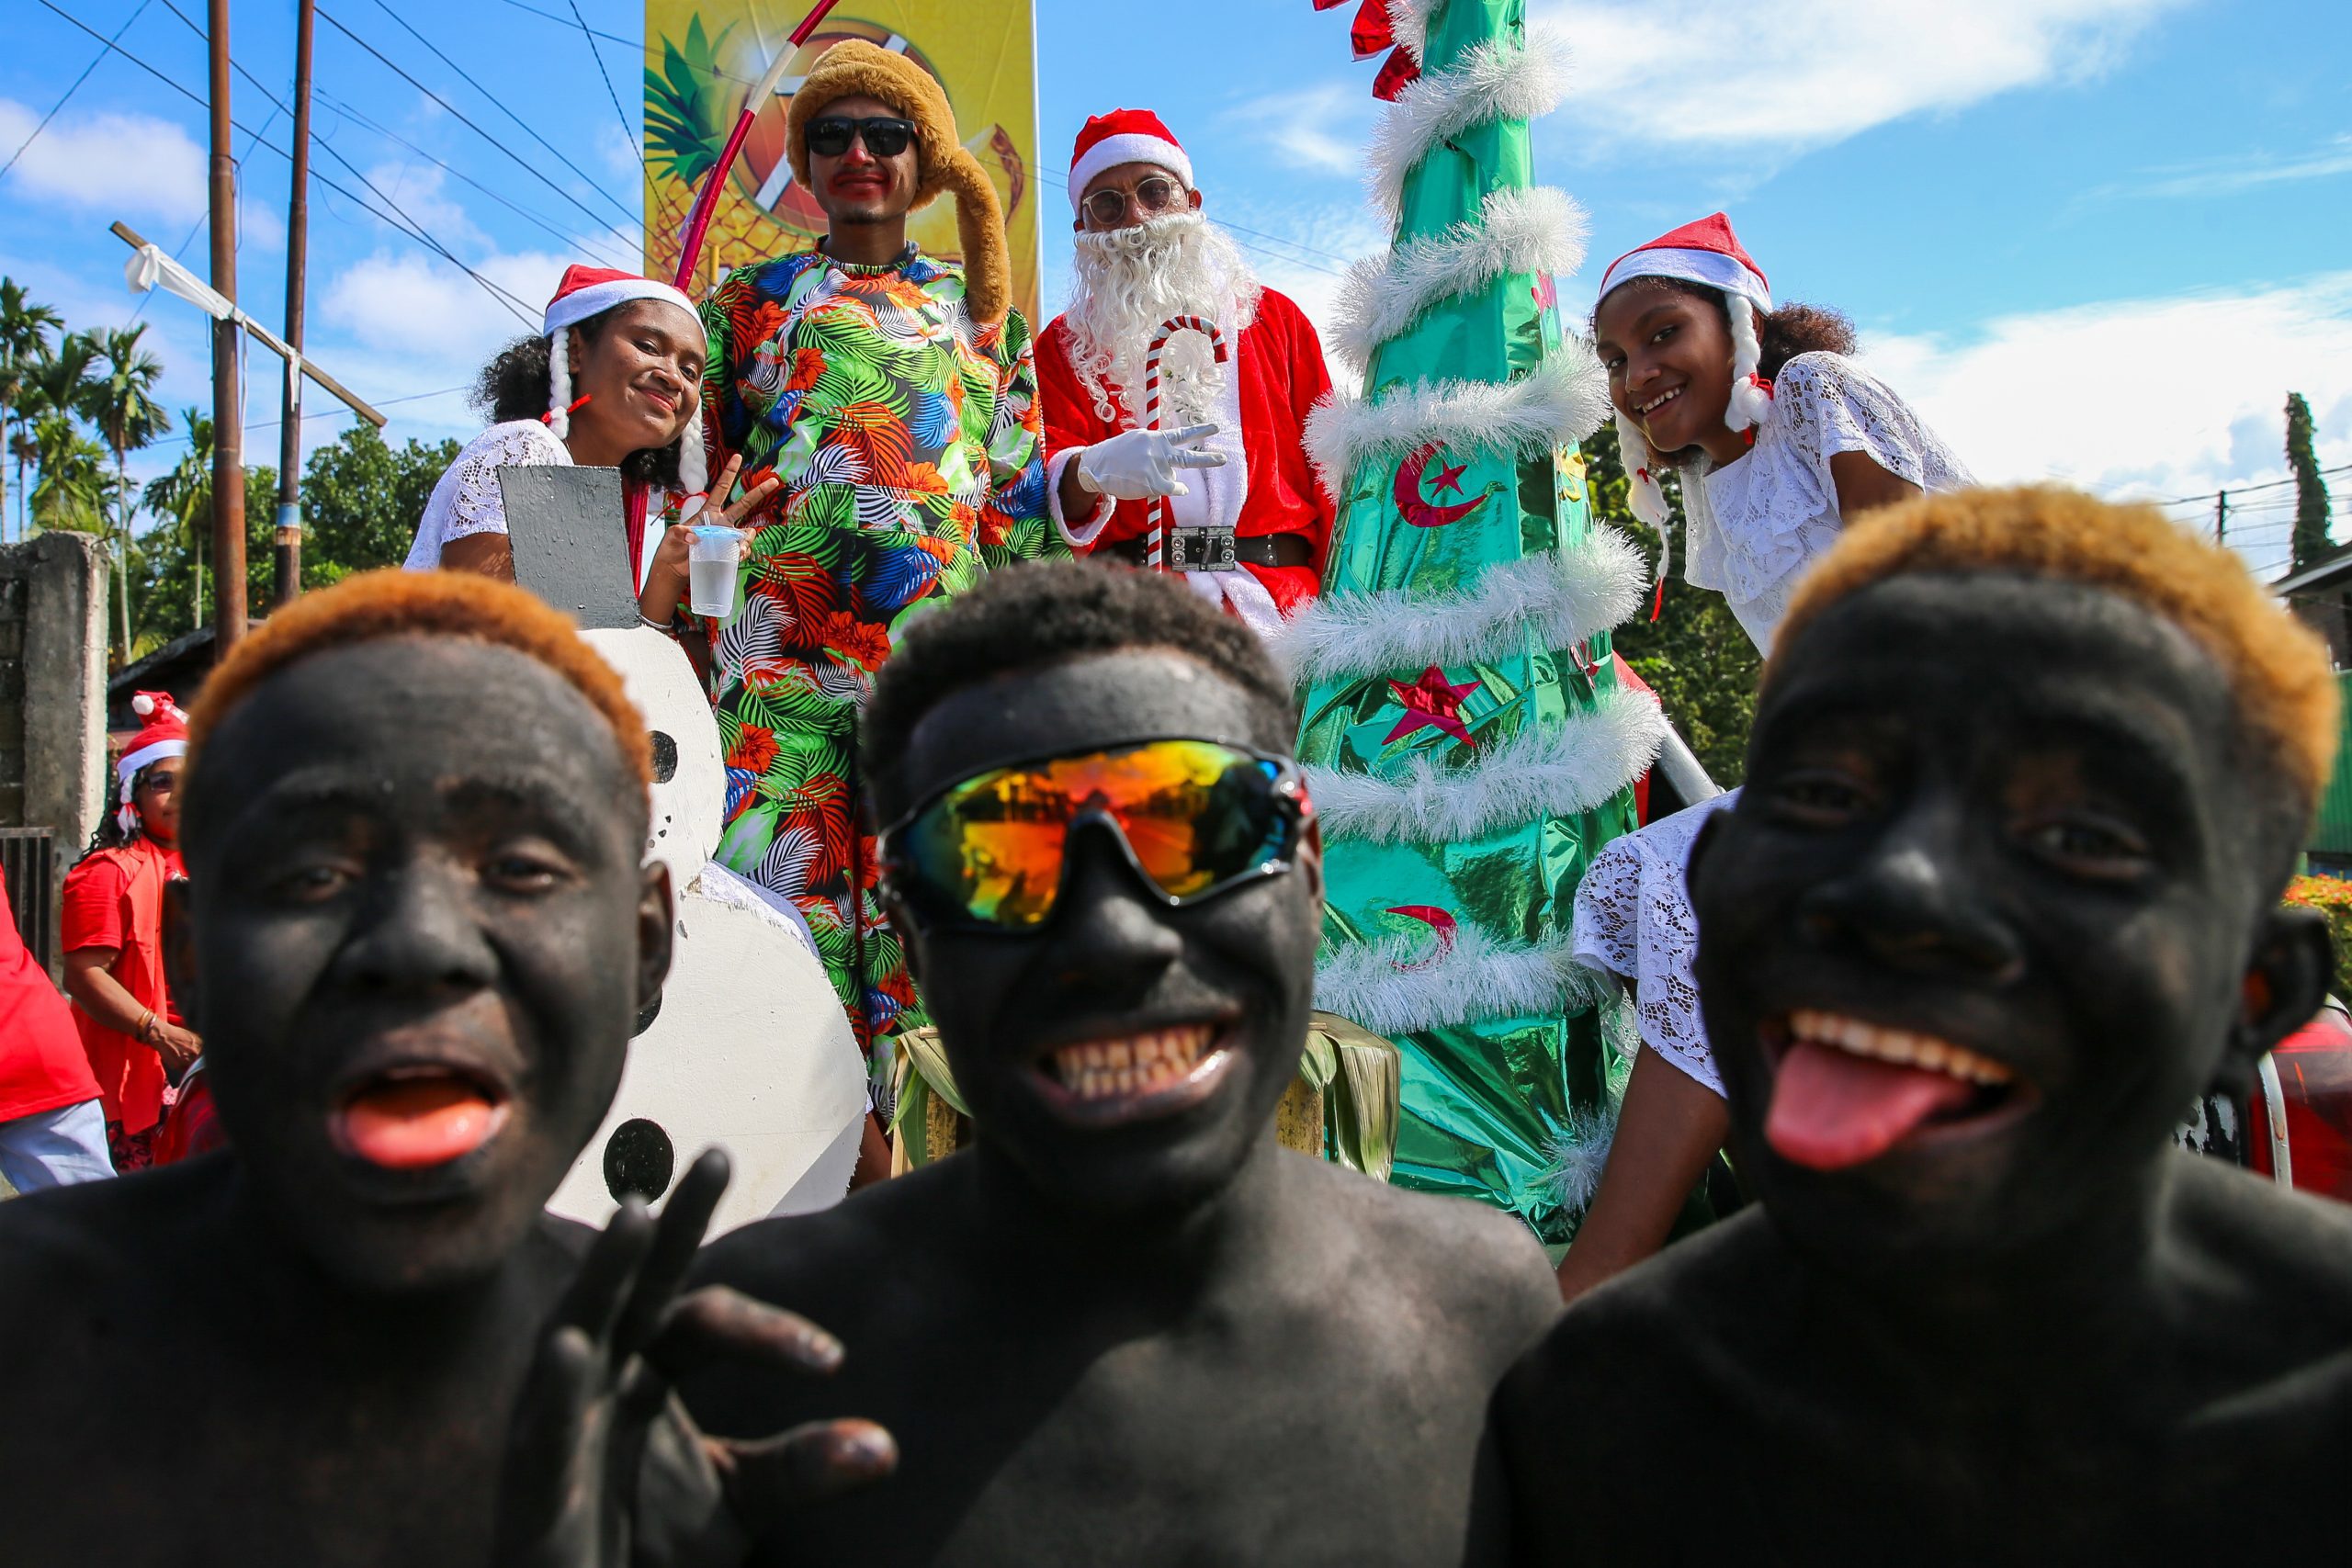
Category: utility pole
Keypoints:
(287, 545)
(2221, 518)
(228, 416)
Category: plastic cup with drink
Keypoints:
(711, 555)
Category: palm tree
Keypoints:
(121, 401)
(73, 485)
(25, 331)
(185, 496)
(52, 394)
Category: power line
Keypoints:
(503, 298)
(459, 116)
(507, 297)
(338, 412)
(76, 87)
(545, 224)
(618, 113)
(496, 101)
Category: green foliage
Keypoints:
(1696, 656)
(685, 126)
(361, 501)
(2311, 542)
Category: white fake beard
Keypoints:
(1125, 284)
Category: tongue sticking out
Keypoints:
(413, 1122)
(1831, 1109)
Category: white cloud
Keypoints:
(2158, 398)
(2227, 177)
(417, 191)
(125, 165)
(417, 321)
(1777, 75)
(1320, 127)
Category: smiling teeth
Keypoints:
(1659, 402)
(1855, 1038)
(1135, 1063)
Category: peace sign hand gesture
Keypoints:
(604, 1469)
(665, 579)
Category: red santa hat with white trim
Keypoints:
(1706, 253)
(163, 736)
(589, 291)
(1123, 136)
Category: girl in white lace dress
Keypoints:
(1778, 438)
(615, 381)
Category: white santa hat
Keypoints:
(163, 735)
(588, 291)
(1709, 254)
(1122, 136)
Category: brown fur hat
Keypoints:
(2278, 670)
(855, 69)
(378, 605)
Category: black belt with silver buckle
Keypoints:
(1218, 549)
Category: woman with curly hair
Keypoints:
(112, 923)
(614, 380)
(1780, 439)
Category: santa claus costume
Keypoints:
(1090, 359)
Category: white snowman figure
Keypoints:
(747, 1049)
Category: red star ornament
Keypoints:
(1431, 700)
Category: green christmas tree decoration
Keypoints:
(1469, 745)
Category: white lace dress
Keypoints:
(467, 499)
(1755, 525)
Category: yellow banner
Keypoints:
(702, 56)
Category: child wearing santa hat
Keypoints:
(1778, 438)
(112, 923)
(613, 380)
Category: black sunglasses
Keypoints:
(885, 137)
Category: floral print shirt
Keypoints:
(910, 447)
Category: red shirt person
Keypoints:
(53, 1133)
(113, 926)
(1233, 457)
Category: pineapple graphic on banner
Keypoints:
(1469, 745)
(702, 56)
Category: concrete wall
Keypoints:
(53, 687)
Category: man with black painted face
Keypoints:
(413, 817)
(1125, 1327)
(2028, 775)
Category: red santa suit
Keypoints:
(1267, 487)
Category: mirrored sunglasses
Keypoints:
(884, 137)
(1156, 195)
(1194, 819)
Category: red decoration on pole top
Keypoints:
(1376, 30)
(699, 225)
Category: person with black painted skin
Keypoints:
(1124, 1326)
(413, 815)
(2028, 775)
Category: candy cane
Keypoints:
(1156, 541)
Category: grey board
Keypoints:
(568, 527)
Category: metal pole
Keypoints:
(287, 543)
(2221, 518)
(227, 417)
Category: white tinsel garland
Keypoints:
(1558, 600)
(1539, 230)
(1492, 80)
(1403, 985)
(1410, 20)
(1557, 404)
(1555, 770)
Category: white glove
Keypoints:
(1138, 464)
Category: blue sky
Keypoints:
(2095, 240)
